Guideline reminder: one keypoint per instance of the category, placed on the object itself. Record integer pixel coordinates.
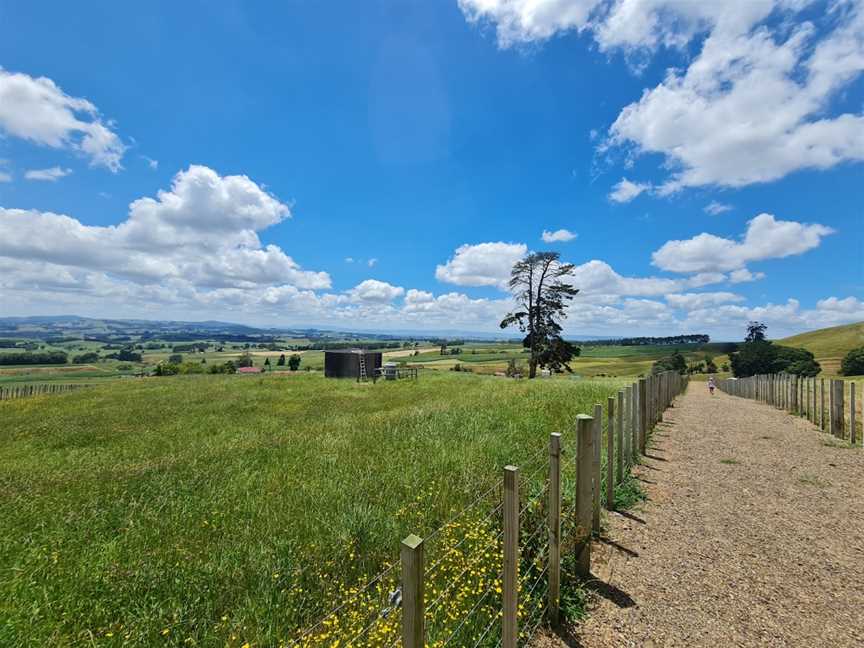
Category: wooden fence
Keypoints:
(518, 532)
(831, 405)
(42, 389)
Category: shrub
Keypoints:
(86, 358)
(167, 369)
(853, 363)
(225, 368)
(795, 361)
(294, 362)
(674, 362)
(126, 355)
(175, 358)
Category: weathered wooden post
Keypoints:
(610, 453)
(413, 606)
(643, 415)
(510, 610)
(853, 431)
(584, 457)
(794, 385)
(554, 522)
(619, 432)
(814, 396)
(841, 409)
(822, 403)
(596, 473)
(634, 423)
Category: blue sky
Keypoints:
(380, 165)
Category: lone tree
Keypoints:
(537, 282)
(755, 332)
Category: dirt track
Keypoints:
(753, 535)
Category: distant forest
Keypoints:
(651, 341)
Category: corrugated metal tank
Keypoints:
(346, 363)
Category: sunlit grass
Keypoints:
(219, 510)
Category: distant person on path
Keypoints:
(711, 385)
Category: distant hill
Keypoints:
(829, 345)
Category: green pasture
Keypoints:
(219, 510)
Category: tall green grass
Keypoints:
(185, 510)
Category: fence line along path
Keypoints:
(751, 536)
(492, 574)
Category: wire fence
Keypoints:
(831, 405)
(492, 574)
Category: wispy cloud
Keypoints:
(47, 175)
(626, 190)
(714, 208)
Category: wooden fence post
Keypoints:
(584, 457)
(554, 592)
(610, 453)
(619, 432)
(794, 381)
(510, 630)
(595, 467)
(814, 416)
(832, 407)
(822, 403)
(853, 432)
(634, 422)
(841, 409)
(413, 607)
(643, 415)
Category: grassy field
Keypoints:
(221, 510)
(829, 345)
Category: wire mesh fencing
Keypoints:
(492, 574)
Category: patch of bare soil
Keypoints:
(753, 535)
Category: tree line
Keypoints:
(697, 338)
(33, 358)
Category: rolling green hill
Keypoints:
(829, 345)
(829, 342)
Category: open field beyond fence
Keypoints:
(224, 510)
(207, 510)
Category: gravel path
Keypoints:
(753, 535)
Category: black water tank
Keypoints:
(346, 363)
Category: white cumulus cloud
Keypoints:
(37, 110)
(558, 236)
(484, 264)
(200, 236)
(765, 238)
(755, 103)
(372, 290)
(692, 301)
